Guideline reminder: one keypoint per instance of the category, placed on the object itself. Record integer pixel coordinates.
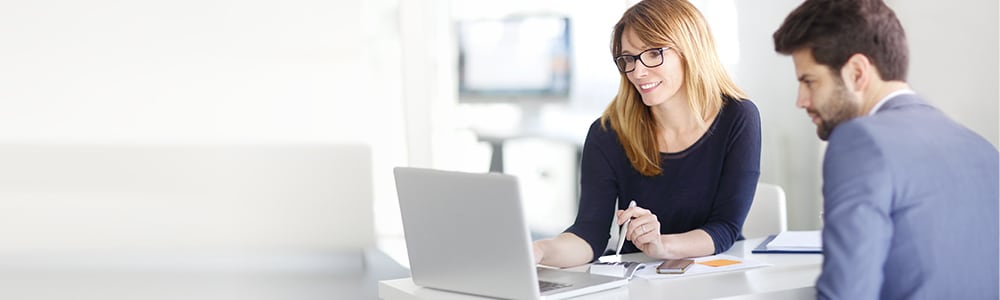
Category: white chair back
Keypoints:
(767, 213)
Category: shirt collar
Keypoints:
(887, 97)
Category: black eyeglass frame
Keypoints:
(638, 57)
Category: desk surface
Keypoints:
(790, 276)
(198, 276)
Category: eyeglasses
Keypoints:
(650, 58)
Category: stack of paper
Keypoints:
(797, 241)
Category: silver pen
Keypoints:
(623, 231)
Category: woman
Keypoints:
(679, 139)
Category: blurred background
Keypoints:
(189, 141)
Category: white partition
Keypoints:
(70, 200)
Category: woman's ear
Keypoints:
(857, 73)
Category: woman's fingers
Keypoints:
(633, 213)
(642, 226)
(644, 230)
(648, 234)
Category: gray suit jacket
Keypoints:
(910, 207)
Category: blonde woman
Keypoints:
(679, 139)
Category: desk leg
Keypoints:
(496, 158)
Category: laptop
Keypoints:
(466, 233)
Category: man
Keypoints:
(910, 196)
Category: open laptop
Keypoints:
(465, 232)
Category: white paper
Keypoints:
(649, 272)
(799, 240)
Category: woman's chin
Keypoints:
(648, 101)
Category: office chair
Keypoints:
(767, 213)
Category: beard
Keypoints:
(840, 107)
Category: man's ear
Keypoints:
(857, 73)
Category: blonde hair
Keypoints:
(666, 23)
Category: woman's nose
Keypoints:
(640, 70)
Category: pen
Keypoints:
(624, 230)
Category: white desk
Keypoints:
(230, 276)
(790, 276)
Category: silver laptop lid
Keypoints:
(466, 232)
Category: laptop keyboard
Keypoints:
(546, 286)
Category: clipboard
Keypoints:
(762, 248)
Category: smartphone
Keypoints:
(674, 266)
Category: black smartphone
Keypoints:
(674, 266)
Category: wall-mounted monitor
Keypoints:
(522, 58)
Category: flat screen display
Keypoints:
(523, 58)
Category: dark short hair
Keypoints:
(837, 29)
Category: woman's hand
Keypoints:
(538, 251)
(644, 231)
(565, 250)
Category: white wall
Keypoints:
(326, 71)
(206, 71)
(954, 58)
(790, 150)
(548, 182)
(953, 62)
(180, 70)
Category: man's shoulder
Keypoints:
(906, 136)
(868, 127)
(904, 127)
(889, 125)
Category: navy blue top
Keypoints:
(709, 185)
